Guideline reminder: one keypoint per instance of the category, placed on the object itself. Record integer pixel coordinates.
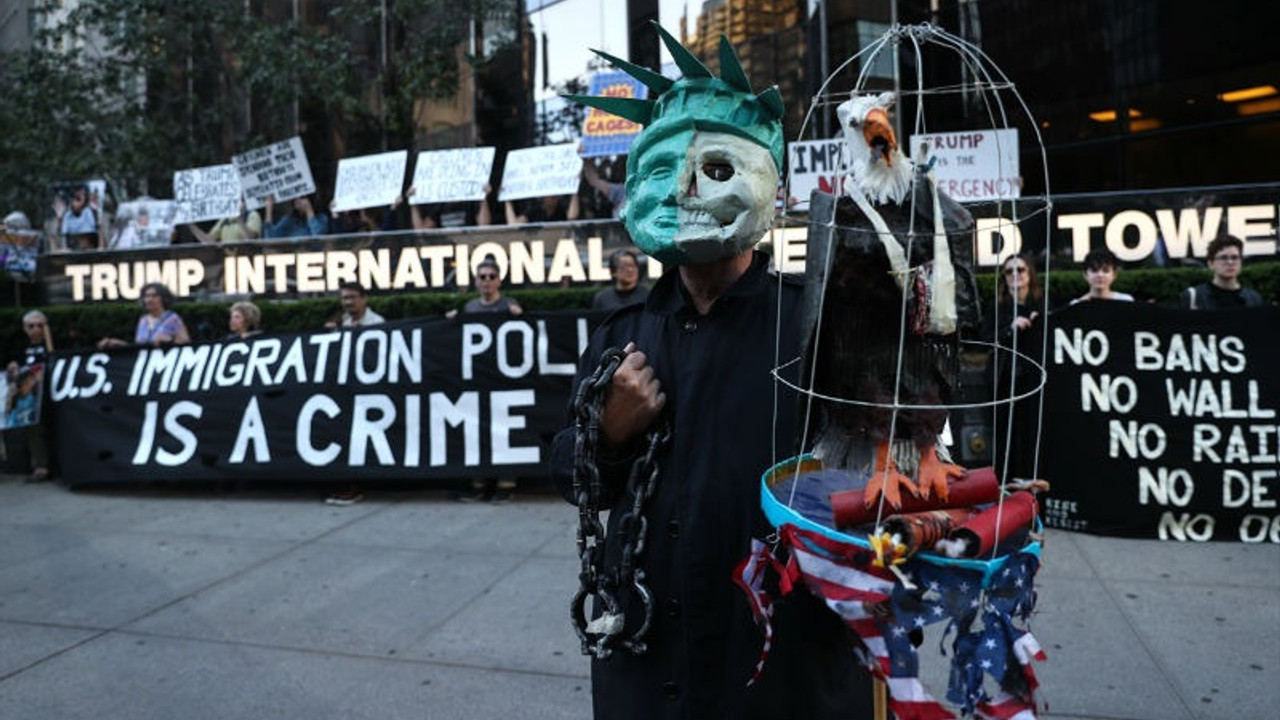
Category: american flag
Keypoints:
(887, 614)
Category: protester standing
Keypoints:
(624, 268)
(159, 324)
(1225, 258)
(1100, 270)
(30, 365)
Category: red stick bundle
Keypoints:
(921, 531)
(980, 533)
(849, 508)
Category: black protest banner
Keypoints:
(1162, 423)
(411, 400)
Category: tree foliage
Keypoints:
(132, 90)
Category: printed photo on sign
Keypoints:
(604, 133)
(973, 166)
(442, 176)
(369, 181)
(76, 212)
(19, 251)
(206, 193)
(142, 223)
(279, 170)
(541, 171)
(22, 390)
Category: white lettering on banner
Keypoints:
(253, 431)
(1245, 444)
(1148, 439)
(1165, 486)
(124, 280)
(375, 356)
(1248, 490)
(1260, 528)
(1185, 526)
(516, 358)
(374, 414)
(1214, 398)
(997, 239)
(502, 421)
(1199, 353)
(1133, 234)
(446, 413)
(1080, 347)
(307, 451)
(64, 381)
(147, 441)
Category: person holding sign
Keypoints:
(245, 226)
(301, 222)
(550, 208)
(1225, 258)
(159, 324)
(1100, 268)
(32, 361)
(79, 222)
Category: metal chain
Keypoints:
(601, 636)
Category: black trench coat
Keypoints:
(703, 645)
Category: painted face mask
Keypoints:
(702, 175)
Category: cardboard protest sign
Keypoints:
(442, 176)
(604, 133)
(814, 165)
(541, 171)
(142, 223)
(279, 170)
(369, 180)
(207, 193)
(974, 166)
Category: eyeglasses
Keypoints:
(487, 276)
(1019, 269)
(1228, 258)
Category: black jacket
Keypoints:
(715, 370)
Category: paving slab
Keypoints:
(124, 676)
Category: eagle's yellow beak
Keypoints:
(879, 135)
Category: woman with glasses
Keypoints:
(1225, 257)
(1015, 324)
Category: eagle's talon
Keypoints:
(935, 475)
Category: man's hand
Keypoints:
(633, 401)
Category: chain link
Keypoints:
(601, 636)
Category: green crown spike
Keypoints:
(637, 111)
(688, 63)
(697, 101)
(656, 83)
(731, 68)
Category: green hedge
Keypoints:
(81, 325)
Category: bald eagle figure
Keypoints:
(889, 288)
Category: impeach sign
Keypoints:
(1162, 422)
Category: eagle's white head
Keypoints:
(879, 168)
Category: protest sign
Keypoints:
(442, 176)
(279, 170)
(369, 181)
(1162, 423)
(19, 254)
(207, 193)
(604, 133)
(142, 223)
(20, 393)
(973, 166)
(541, 171)
(415, 400)
(814, 165)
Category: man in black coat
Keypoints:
(698, 356)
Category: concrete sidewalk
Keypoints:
(164, 604)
